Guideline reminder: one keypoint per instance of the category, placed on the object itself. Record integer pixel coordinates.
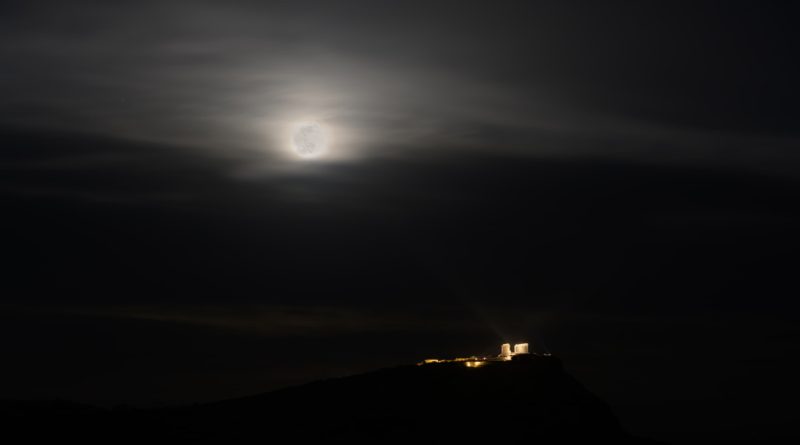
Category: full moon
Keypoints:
(309, 140)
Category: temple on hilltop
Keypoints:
(520, 350)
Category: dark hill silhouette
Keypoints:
(522, 401)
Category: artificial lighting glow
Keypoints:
(506, 355)
(308, 140)
(505, 351)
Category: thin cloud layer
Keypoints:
(233, 78)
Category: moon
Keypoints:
(309, 140)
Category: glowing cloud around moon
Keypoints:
(308, 140)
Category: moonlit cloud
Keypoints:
(232, 81)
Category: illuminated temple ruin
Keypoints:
(519, 351)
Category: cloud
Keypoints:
(154, 222)
(275, 320)
(525, 80)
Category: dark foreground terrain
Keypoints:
(522, 401)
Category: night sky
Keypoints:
(616, 182)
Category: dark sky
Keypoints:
(616, 182)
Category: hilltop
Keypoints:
(528, 399)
